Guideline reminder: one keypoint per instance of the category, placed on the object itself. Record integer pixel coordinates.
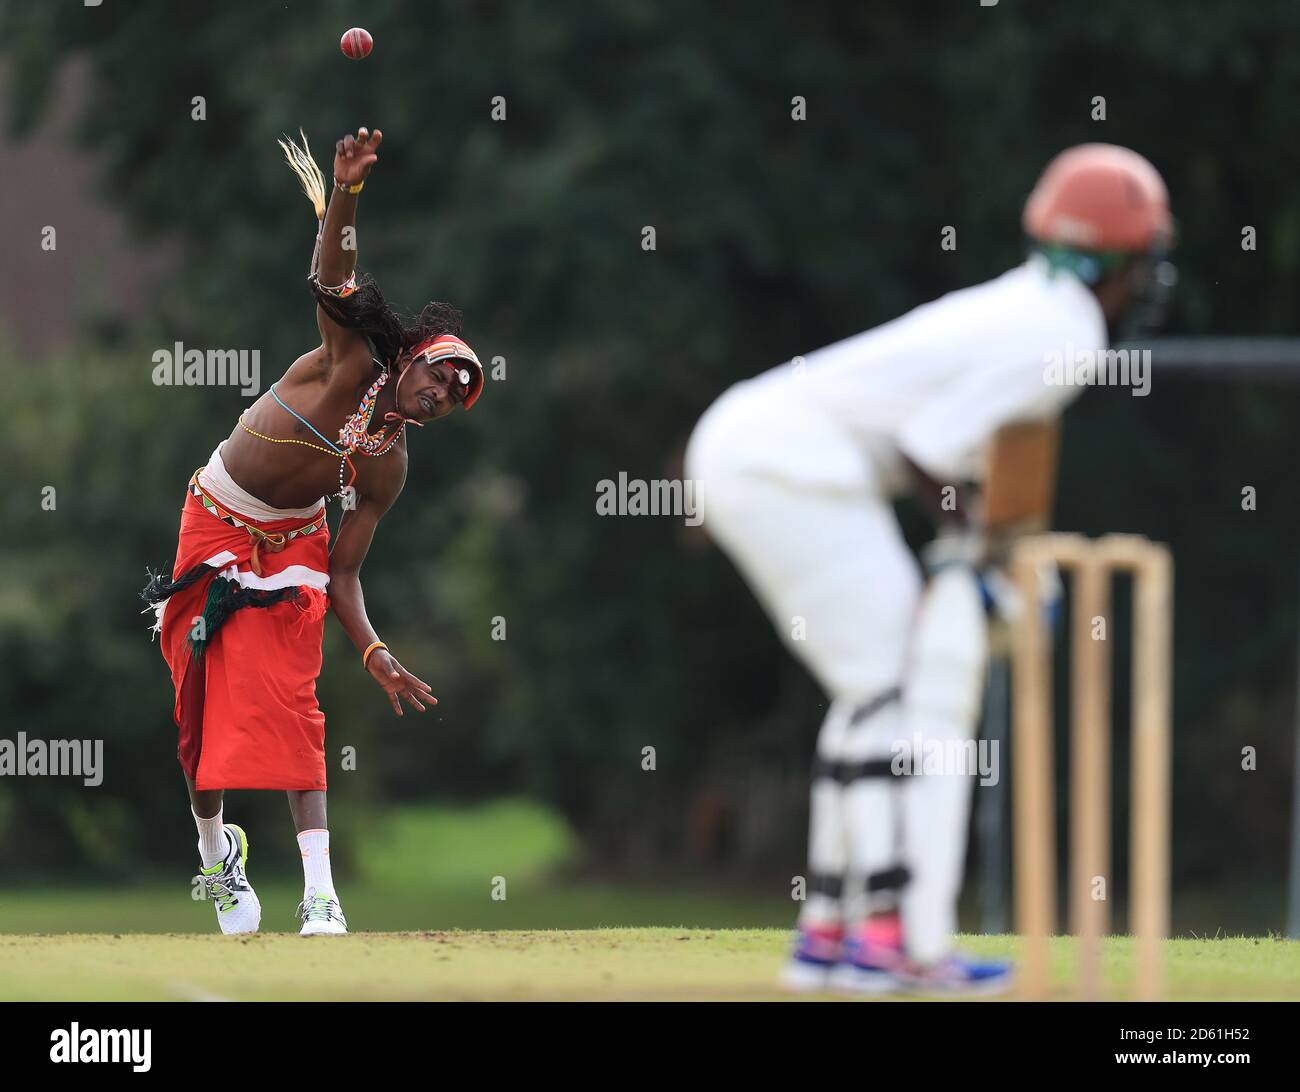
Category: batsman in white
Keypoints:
(956, 403)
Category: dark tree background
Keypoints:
(774, 237)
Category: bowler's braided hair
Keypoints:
(389, 333)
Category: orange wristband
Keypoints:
(365, 656)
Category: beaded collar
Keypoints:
(355, 435)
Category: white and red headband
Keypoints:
(450, 347)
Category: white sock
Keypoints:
(315, 847)
(212, 838)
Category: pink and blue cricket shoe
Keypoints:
(956, 976)
(817, 952)
(872, 958)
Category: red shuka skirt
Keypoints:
(246, 705)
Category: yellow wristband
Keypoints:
(357, 188)
(365, 656)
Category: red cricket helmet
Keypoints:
(1100, 197)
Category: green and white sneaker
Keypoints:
(321, 915)
(226, 884)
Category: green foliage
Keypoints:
(436, 849)
(773, 237)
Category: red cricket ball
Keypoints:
(356, 43)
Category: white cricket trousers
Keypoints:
(802, 513)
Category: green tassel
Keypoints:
(213, 615)
(224, 598)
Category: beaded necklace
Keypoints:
(354, 436)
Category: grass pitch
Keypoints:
(593, 964)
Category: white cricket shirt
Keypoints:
(934, 384)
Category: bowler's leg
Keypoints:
(308, 809)
(321, 913)
(223, 851)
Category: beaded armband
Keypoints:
(341, 291)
